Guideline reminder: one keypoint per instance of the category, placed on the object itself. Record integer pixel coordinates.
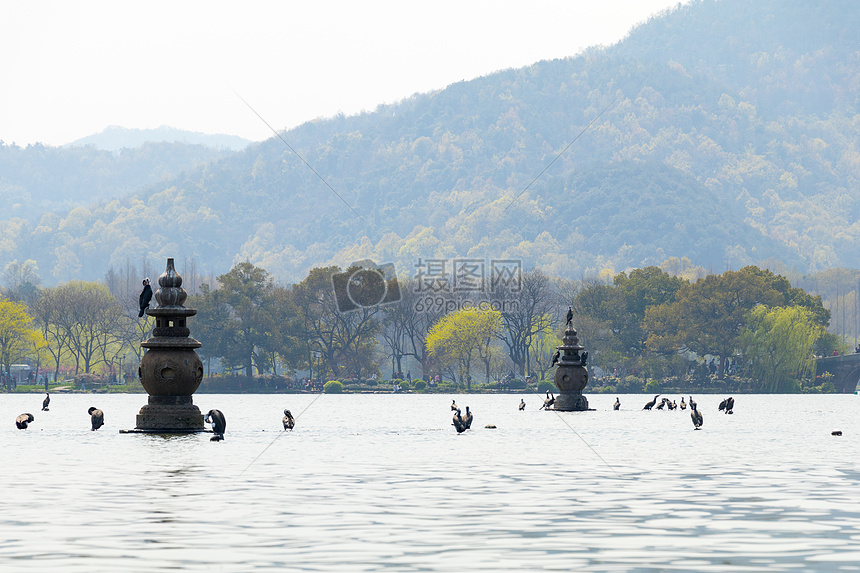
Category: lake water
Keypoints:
(383, 482)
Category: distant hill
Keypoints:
(39, 182)
(729, 137)
(115, 138)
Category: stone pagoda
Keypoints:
(572, 375)
(170, 371)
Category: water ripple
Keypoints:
(370, 483)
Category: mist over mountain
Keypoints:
(724, 131)
(115, 138)
(41, 182)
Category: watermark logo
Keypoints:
(468, 275)
(450, 285)
(364, 285)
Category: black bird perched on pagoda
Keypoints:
(555, 358)
(219, 424)
(97, 417)
(650, 404)
(289, 421)
(569, 314)
(617, 404)
(22, 421)
(45, 402)
(522, 404)
(696, 416)
(145, 297)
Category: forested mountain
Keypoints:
(728, 135)
(40, 182)
(115, 138)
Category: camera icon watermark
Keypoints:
(364, 285)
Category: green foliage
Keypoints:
(420, 385)
(828, 343)
(446, 387)
(344, 340)
(726, 164)
(546, 386)
(17, 337)
(461, 337)
(653, 386)
(631, 385)
(333, 387)
(779, 342)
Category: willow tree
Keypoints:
(460, 338)
(778, 343)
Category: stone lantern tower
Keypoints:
(572, 375)
(170, 371)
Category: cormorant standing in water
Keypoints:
(730, 405)
(289, 421)
(663, 402)
(458, 422)
(22, 421)
(97, 417)
(454, 405)
(696, 417)
(683, 404)
(145, 297)
(468, 419)
(617, 404)
(692, 402)
(723, 404)
(548, 402)
(650, 404)
(219, 424)
(522, 404)
(45, 402)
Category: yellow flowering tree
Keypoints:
(460, 338)
(17, 336)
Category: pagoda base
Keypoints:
(571, 403)
(166, 414)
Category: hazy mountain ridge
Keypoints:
(716, 148)
(39, 179)
(115, 138)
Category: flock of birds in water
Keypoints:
(727, 406)
(461, 422)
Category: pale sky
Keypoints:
(70, 69)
